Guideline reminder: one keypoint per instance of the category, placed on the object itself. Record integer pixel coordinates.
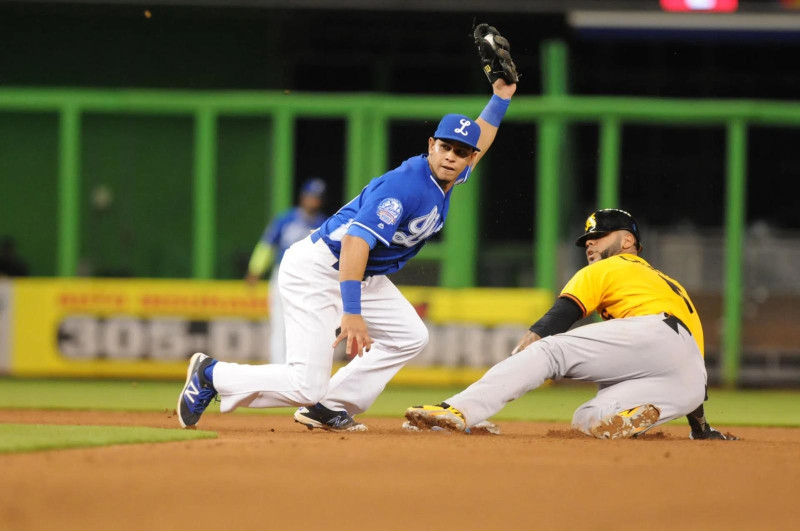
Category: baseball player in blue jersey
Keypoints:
(336, 278)
(287, 228)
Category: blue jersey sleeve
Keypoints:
(272, 234)
(384, 208)
(364, 234)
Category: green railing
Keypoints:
(367, 118)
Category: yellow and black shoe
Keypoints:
(442, 415)
(628, 423)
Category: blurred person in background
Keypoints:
(284, 230)
(11, 264)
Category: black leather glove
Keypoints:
(495, 52)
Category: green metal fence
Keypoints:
(367, 118)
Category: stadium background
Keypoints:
(135, 193)
(143, 146)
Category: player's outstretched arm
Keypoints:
(261, 260)
(489, 120)
(528, 339)
(494, 51)
(559, 318)
(352, 264)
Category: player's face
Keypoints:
(600, 248)
(448, 159)
(310, 203)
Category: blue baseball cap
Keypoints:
(315, 187)
(459, 128)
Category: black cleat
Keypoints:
(318, 416)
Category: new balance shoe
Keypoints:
(441, 415)
(197, 393)
(628, 423)
(318, 416)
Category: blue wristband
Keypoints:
(351, 296)
(495, 110)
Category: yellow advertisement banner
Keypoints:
(99, 327)
(148, 328)
(484, 306)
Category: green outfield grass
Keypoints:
(549, 403)
(31, 437)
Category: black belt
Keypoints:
(673, 322)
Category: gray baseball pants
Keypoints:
(635, 361)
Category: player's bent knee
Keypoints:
(415, 340)
(421, 338)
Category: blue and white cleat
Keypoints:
(198, 392)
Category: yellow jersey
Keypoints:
(625, 285)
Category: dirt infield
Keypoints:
(266, 472)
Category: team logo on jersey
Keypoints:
(419, 229)
(389, 210)
(591, 223)
(462, 130)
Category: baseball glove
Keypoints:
(495, 52)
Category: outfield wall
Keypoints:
(5, 326)
(149, 328)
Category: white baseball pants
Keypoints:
(635, 361)
(312, 310)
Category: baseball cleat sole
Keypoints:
(441, 416)
(481, 428)
(627, 423)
